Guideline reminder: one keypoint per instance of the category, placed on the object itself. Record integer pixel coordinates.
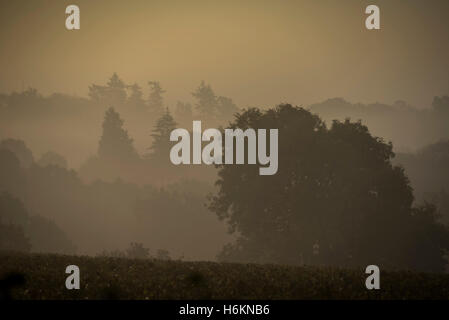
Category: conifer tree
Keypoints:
(135, 99)
(113, 93)
(115, 142)
(160, 148)
(155, 100)
(206, 100)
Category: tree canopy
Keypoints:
(336, 199)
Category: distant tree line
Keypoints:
(408, 127)
(45, 207)
(341, 195)
(116, 93)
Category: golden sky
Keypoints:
(257, 52)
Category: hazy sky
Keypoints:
(257, 52)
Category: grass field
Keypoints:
(120, 278)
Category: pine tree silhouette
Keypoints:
(160, 148)
(155, 100)
(206, 100)
(115, 142)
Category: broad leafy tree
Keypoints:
(336, 199)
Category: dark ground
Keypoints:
(42, 276)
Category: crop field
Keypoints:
(42, 276)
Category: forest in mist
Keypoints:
(356, 182)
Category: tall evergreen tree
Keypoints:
(113, 93)
(117, 89)
(115, 142)
(212, 107)
(160, 148)
(135, 99)
(155, 100)
(206, 100)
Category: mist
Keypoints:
(85, 116)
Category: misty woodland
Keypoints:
(93, 176)
(199, 149)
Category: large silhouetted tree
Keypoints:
(115, 142)
(336, 199)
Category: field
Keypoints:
(44, 277)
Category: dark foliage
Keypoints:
(336, 200)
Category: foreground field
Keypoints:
(119, 278)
